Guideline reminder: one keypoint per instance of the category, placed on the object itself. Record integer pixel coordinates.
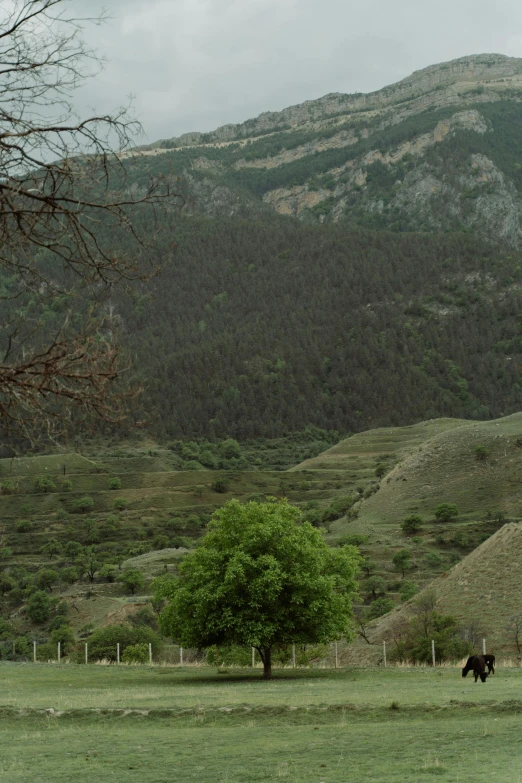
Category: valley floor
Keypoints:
(153, 725)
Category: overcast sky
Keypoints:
(198, 64)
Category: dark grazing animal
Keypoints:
(490, 663)
(476, 664)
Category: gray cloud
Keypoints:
(197, 64)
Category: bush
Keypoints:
(132, 579)
(46, 578)
(66, 636)
(379, 607)
(229, 449)
(39, 607)
(83, 505)
(102, 643)
(481, 453)
(338, 508)
(46, 652)
(66, 486)
(408, 590)
(114, 483)
(120, 504)
(412, 525)
(7, 488)
(24, 526)
(69, 575)
(44, 484)
(446, 512)
(220, 485)
(136, 653)
(353, 539)
(433, 559)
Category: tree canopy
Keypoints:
(260, 578)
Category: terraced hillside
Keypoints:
(135, 511)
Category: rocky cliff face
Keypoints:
(436, 151)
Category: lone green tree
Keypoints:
(261, 577)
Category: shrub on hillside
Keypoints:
(120, 504)
(446, 512)
(46, 578)
(24, 526)
(66, 486)
(412, 524)
(220, 485)
(379, 607)
(115, 483)
(407, 590)
(82, 505)
(44, 484)
(433, 559)
(132, 579)
(7, 488)
(39, 607)
(353, 539)
(481, 453)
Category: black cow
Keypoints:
(477, 664)
(490, 663)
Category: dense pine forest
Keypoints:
(259, 328)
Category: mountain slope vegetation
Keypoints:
(438, 151)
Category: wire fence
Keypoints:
(336, 655)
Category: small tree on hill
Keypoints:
(132, 579)
(446, 512)
(39, 607)
(408, 590)
(379, 607)
(375, 585)
(402, 561)
(46, 578)
(412, 525)
(51, 548)
(260, 578)
(44, 484)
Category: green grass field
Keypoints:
(153, 725)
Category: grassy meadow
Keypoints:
(154, 725)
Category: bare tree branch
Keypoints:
(66, 221)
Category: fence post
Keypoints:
(433, 651)
(117, 652)
(34, 652)
(384, 652)
(293, 656)
(59, 652)
(86, 652)
(483, 646)
(336, 658)
(150, 653)
(181, 656)
(253, 657)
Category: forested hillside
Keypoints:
(349, 263)
(259, 328)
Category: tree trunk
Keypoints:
(267, 664)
